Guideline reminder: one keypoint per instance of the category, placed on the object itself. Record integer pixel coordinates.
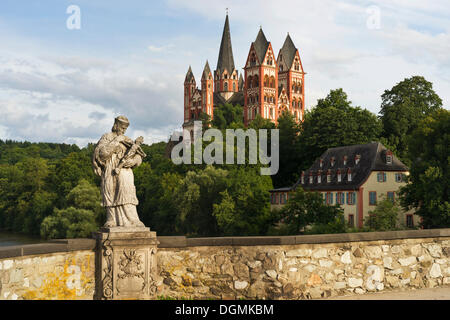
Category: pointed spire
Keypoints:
(261, 44)
(189, 75)
(206, 71)
(241, 83)
(288, 51)
(225, 60)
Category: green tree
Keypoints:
(289, 151)
(68, 223)
(384, 217)
(335, 122)
(244, 207)
(228, 116)
(87, 196)
(402, 108)
(427, 189)
(307, 209)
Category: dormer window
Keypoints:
(332, 161)
(357, 158)
(389, 157)
(328, 176)
(345, 160)
(321, 163)
(339, 176)
(349, 175)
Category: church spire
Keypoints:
(226, 60)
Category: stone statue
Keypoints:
(115, 156)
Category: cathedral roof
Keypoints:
(225, 60)
(206, 70)
(261, 44)
(288, 51)
(189, 75)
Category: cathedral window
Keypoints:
(234, 86)
(249, 82)
(225, 86)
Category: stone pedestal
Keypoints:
(126, 263)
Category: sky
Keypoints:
(64, 84)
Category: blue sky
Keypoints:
(130, 57)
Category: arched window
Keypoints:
(272, 82)
(225, 86)
(255, 81)
(266, 80)
(249, 82)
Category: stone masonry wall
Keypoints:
(61, 276)
(293, 267)
(303, 271)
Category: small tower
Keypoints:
(207, 91)
(226, 76)
(261, 81)
(189, 90)
(292, 77)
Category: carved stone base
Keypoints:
(126, 264)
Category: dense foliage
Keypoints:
(51, 190)
(428, 189)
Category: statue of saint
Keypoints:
(115, 156)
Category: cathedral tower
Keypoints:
(189, 90)
(226, 76)
(261, 81)
(291, 79)
(207, 91)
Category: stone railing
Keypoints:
(291, 267)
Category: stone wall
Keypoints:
(294, 267)
(51, 271)
(304, 267)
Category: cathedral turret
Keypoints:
(207, 91)
(291, 76)
(189, 89)
(226, 76)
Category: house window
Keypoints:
(349, 176)
(381, 176)
(351, 198)
(391, 196)
(409, 221)
(372, 198)
(319, 178)
(283, 198)
(399, 177)
(329, 177)
(329, 198)
(339, 177)
(345, 160)
(351, 220)
(311, 179)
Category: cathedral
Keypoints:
(269, 86)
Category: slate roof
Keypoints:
(261, 45)
(372, 158)
(236, 98)
(288, 51)
(241, 83)
(189, 75)
(206, 70)
(225, 60)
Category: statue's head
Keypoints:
(121, 124)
